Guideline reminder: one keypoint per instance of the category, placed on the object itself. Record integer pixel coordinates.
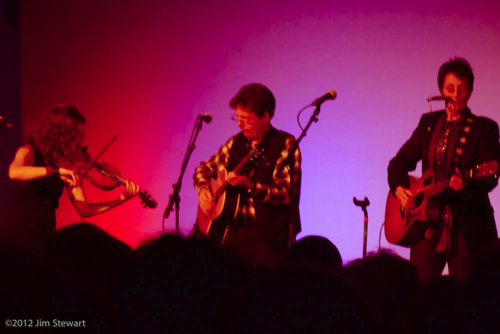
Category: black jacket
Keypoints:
(476, 142)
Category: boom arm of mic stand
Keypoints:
(314, 118)
(175, 198)
(290, 162)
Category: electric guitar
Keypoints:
(400, 227)
(215, 223)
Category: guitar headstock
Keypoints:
(255, 156)
(251, 160)
(487, 169)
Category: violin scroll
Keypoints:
(147, 200)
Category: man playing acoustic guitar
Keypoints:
(257, 187)
(449, 142)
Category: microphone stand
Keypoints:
(290, 161)
(175, 198)
(363, 204)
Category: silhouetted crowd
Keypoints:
(91, 282)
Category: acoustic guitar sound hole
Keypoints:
(419, 198)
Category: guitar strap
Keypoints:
(446, 235)
(434, 140)
(444, 241)
(451, 148)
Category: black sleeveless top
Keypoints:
(31, 218)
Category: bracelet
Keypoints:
(51, 170)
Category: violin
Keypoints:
(103, 176)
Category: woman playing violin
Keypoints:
(40, 170)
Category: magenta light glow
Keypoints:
(143, 71)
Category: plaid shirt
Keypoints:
(276, 192)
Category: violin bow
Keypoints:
(98, 156)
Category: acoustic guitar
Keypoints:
(215, 223)
(400, 226)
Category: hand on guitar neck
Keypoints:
(456, 180)
(407, 197)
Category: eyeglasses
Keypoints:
(247, 120)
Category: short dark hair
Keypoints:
(458, 66)
(255, 98)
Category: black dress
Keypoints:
(31, 217)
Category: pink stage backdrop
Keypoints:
(143, 71)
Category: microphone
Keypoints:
(207, 118)
(4, 123)
(437, 98)
(331, 95)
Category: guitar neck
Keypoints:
(242, 163)
(442, 186)
(236, 171)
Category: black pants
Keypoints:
(430, 264)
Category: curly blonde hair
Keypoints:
(59, 134)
